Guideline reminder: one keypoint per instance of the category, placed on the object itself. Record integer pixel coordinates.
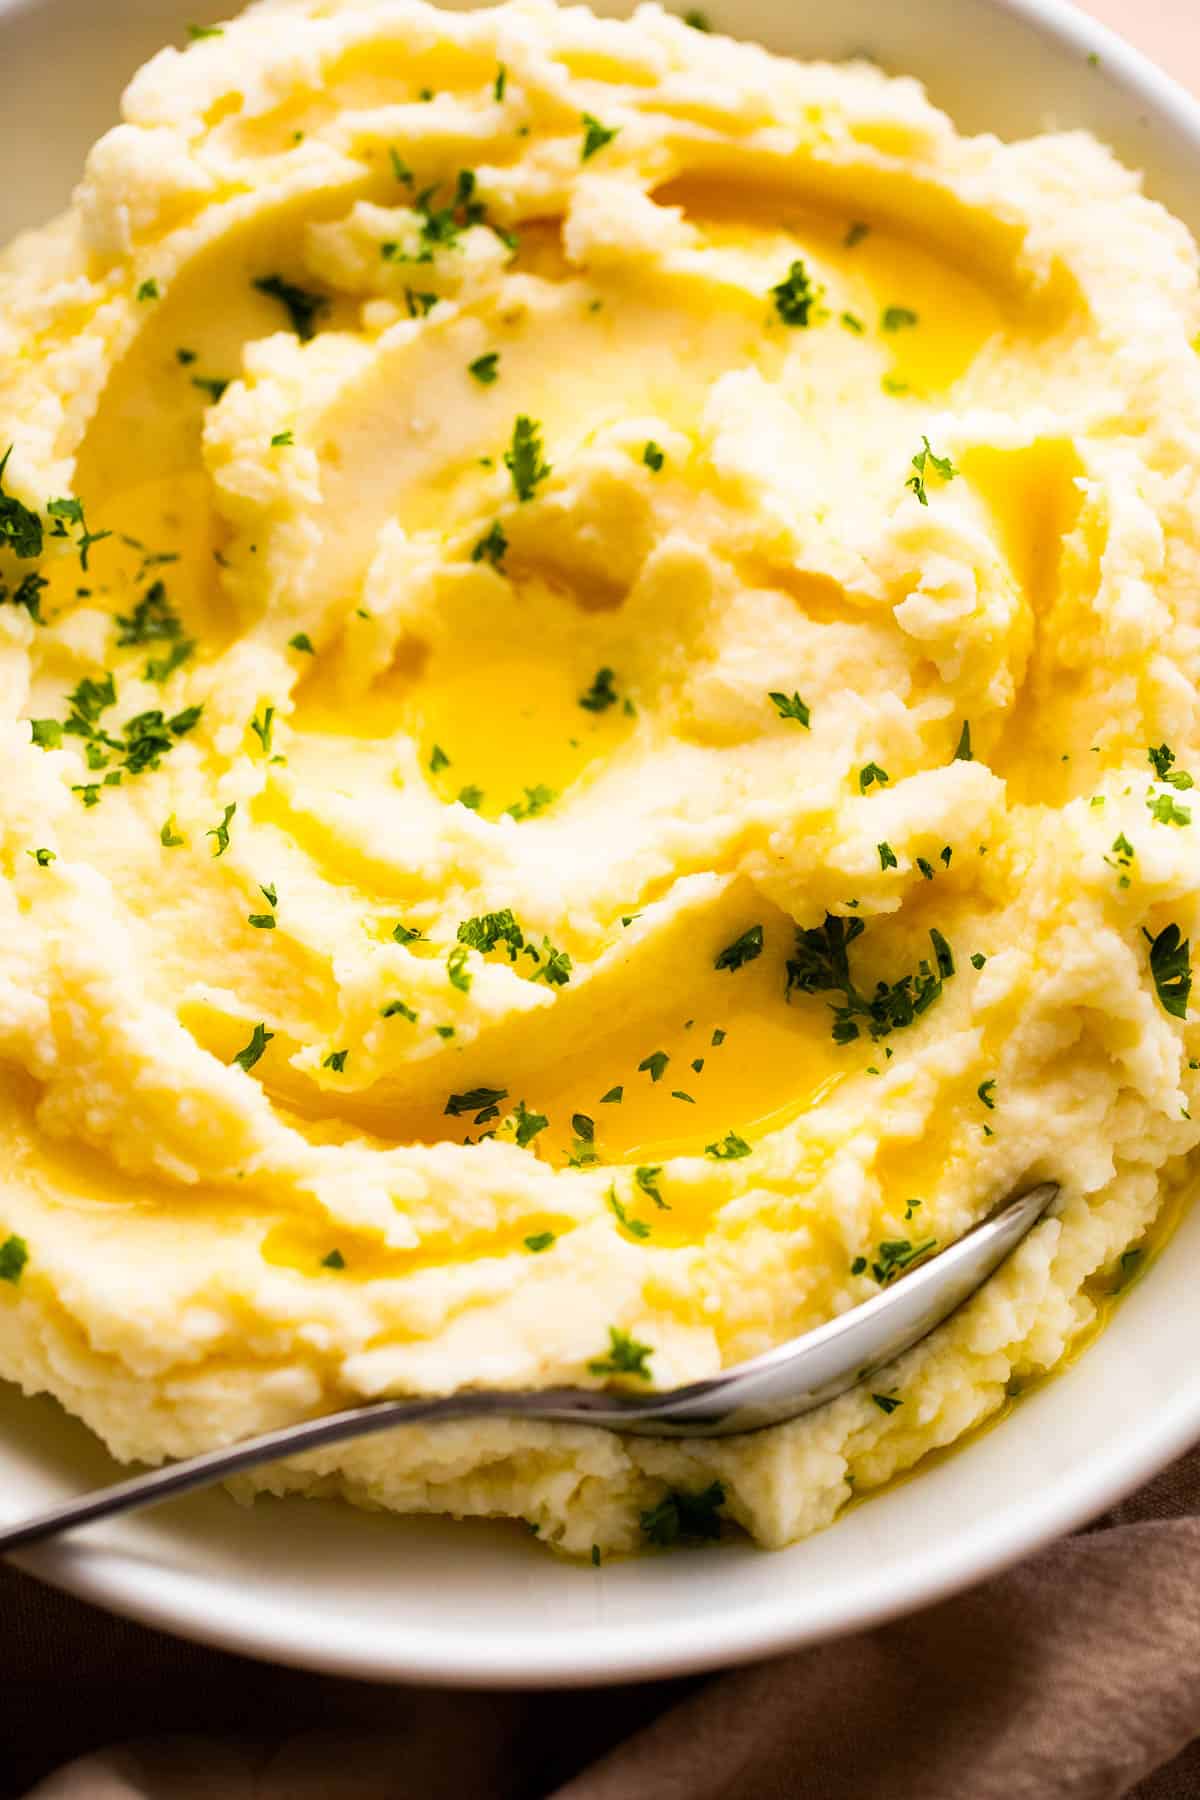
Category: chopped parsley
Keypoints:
(654, 1064)
(536, 800)
(1171, 967)
(303, 308)
(1166, 810)
(471, 797)
(221, 831)
(43, 858)
(262, 728)
(697, 20)
(1123, 852)
(793, 708)
(523, 459)
(987, 1093)
(405, 934)
(897, 1254)
(922, 463)
(886, 1403)
(1161, 759)
(196, 32)
(438, 760)
(795, 296)
(148, 290)
(887, 856)
(613, 1097)
(456, 969)
(484, 1102)
(637, 1228)
(647, 1180)
(283, 440)
(926, 867)
(527, 1125)
(212, 385)
(169, 837)
(398, 1009)
(653, 457)
(485, 369)
(487, 930)
(898, 318)
(742, 950)
(491, 546)
(820, 964)
(681, 1517)
(855, 233)
(336, 1060)
(541, 1240)
(871, 774)
(595, 136)
(500, 83)
(555, 969)
(14, 1254)
(718, 1037)
(583, 1127)
(153, 619)
(303, 642)
(853, 323)
(730, 1148)
(260, 1037)
(625, 1356)
(334, 1260)
(419, 305)
(978, 959)
(962, 751)
(601, 695)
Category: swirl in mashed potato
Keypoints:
(597, 681)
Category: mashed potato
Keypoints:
(596, 674)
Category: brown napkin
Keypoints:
(1074, 1677)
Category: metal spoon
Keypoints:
(782, 1384)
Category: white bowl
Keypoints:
(429, 1600)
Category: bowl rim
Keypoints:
(174, 1601)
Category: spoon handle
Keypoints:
(782, 1384)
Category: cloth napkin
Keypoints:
(1075, 1676)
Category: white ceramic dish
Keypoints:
(429, 1600)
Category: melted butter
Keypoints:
(495, 724)
(159, 530)
(773, 1062)
(879, 278)
(304, 1245)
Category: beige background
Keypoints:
(1168, 30)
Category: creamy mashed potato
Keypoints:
(597, 682)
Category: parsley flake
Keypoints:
(523, 459)
(595, 136)
(601, 695)
(221, 831)
(682, 1517)
(922, 462)
(793, 708)
(625, 1356)
(1171, 967)
(260, 1037)
(303, 308)
(14, 1254)
(485, 369)
(795, 296)
(742, 950)
(730, 1148)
